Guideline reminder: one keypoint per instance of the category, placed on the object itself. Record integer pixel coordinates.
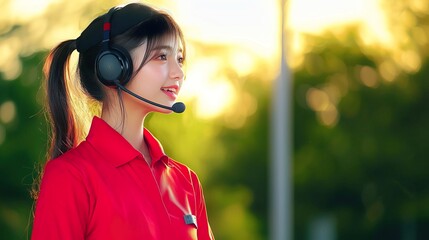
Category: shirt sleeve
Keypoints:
(204, 231)
(62, 206)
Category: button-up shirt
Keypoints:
(104, 189)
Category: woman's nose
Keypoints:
(176, 71)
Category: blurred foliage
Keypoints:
(361, 131)
(361, 127)
(369, 169)
(23, 144)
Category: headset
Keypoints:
(113, 63)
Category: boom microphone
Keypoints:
(177, 107)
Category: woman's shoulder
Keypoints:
(184, 169)
(180, 166)
(71, 161)
(72, 168)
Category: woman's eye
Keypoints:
(180, 60)
(163, 57)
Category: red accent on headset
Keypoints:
(106, 26)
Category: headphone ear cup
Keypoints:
(113, 65)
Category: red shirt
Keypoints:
(104, 189)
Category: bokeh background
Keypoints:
(360, 115)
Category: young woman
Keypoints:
(118, 183)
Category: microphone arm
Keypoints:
(177, 107)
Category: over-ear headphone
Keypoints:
(113, 63)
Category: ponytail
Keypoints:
(59, 110)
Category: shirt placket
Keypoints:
(149, 184)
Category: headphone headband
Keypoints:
(107, 26)
(120, 18)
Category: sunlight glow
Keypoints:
(213, 104)
(236, 115)
(318, 16)
(24, 9)
(329, 117)
(7, 111)
(213, 93)
(388, 71)
(368, 76)
(410, 61)
(10, 63)
(319, 100)
(243, 62)
(246, 23)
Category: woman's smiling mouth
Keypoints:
(171, 91)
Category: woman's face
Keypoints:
(161, 78)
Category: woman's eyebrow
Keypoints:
(166, 47)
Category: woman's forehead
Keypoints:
(171, 41)
(168, 41)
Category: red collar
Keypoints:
(116, 149)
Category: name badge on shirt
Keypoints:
(190, 220)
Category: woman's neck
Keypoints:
(130, 127)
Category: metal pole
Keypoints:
(281, 188)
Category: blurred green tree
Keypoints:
(361, 130)
(23, 144)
